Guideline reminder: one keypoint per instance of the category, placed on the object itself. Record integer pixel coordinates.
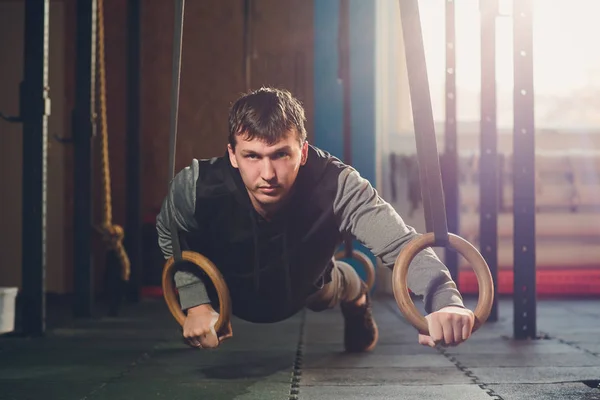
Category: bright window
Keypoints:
(566, 62)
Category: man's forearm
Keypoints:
(377, 225)
(178, 210)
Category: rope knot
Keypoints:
(113, 235)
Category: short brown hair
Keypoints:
(268, 114)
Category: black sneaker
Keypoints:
(360, 330)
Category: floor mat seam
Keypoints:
(570, 344)
(297, 365)
(138, 361)
(474, 378)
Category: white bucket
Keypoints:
(8, 296)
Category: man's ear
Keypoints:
(304, 153)
(232, 158)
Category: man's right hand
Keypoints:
(199, 327)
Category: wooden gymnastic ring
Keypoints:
(169, 289)
(365, 262)
(467, 250)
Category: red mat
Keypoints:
(563, 282)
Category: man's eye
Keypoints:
(250, 155)
(282, 154)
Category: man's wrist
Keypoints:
(202, 308)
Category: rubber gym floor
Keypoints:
(140, 355)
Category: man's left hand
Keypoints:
(449, 326)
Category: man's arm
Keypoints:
(375, 223)
(179, 205)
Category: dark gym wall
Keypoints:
(115, 53)
(212, 74)
(212, 77)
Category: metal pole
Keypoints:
(248, 44)
(133, 236)
(450, 158)
(83, 130)
(488, 163)
(35, 109)
(524, 173)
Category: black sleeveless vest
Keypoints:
(270, 267)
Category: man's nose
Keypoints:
(268, 171)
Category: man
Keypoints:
(272, 212)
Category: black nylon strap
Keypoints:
(176, 76)
(427, 153)
(344, 77)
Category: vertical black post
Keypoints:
(83, 129)
(488, 163)
(450, 159)
(35, 108)
(524, 173)
(133, 228)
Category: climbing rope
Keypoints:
(112, 234)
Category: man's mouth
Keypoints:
(268, 189)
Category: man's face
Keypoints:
(268, 171)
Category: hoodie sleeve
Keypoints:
(180, 205)
(372, 221)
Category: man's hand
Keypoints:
(199, 327)
(449, 326)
